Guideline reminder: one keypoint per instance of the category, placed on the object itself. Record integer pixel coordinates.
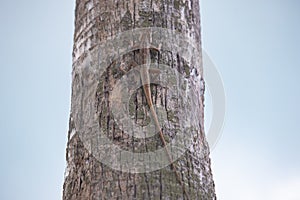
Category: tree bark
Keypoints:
(87, 178)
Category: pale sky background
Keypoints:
(256, 47)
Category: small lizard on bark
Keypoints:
(145, 78)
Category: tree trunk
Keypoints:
(105, 39)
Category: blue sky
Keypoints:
(255, 45)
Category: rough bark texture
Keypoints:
(88, 179)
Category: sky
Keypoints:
(255, 46)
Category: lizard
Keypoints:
(144, 71)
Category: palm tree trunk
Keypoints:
(89, 176)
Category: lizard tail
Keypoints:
(153, 112)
